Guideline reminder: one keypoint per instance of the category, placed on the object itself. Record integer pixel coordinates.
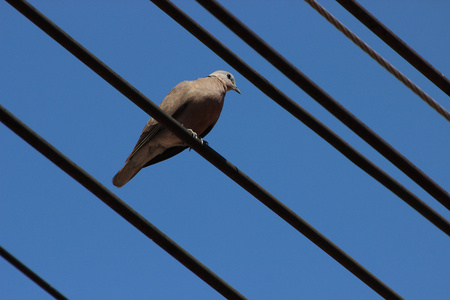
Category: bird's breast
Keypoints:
(202, 113)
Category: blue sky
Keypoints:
(85, 250)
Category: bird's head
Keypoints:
(227, 78)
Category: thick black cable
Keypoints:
(329, 103)
(204, 150)
(31, 275)
(116, 204)
(296, 110)
(391, 39)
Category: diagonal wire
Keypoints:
(329, 103)
(383, 62)
(208, 153)
(30, 274)
(391, 39)
(296, 110)
(116, 204)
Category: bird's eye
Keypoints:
(229, 76)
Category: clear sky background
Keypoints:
(86, 251)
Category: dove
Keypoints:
(195, 104)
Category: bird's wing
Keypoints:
(147, 134)
(173, 104)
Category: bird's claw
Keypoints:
(194, 135)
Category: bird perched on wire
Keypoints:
(196, 105)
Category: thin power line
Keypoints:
(204, 150)
(116, 204)
(296, 110)
(30, 274)
(328, 102)
(397, 44)
(377, 57)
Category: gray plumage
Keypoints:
(196, 104)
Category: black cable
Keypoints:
(391, 39)
(296, 110)
(30, 274)
(329, 103)
(204, 150)
(116, 204)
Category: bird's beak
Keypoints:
(235, 88)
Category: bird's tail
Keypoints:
(128, 171)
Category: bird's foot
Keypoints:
(194, 135)
(198, 138)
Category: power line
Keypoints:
(329, 103)
(30, 274)
(397, 44)
(116, 204)
(296, 110)
(204, 150)
(378, 58)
